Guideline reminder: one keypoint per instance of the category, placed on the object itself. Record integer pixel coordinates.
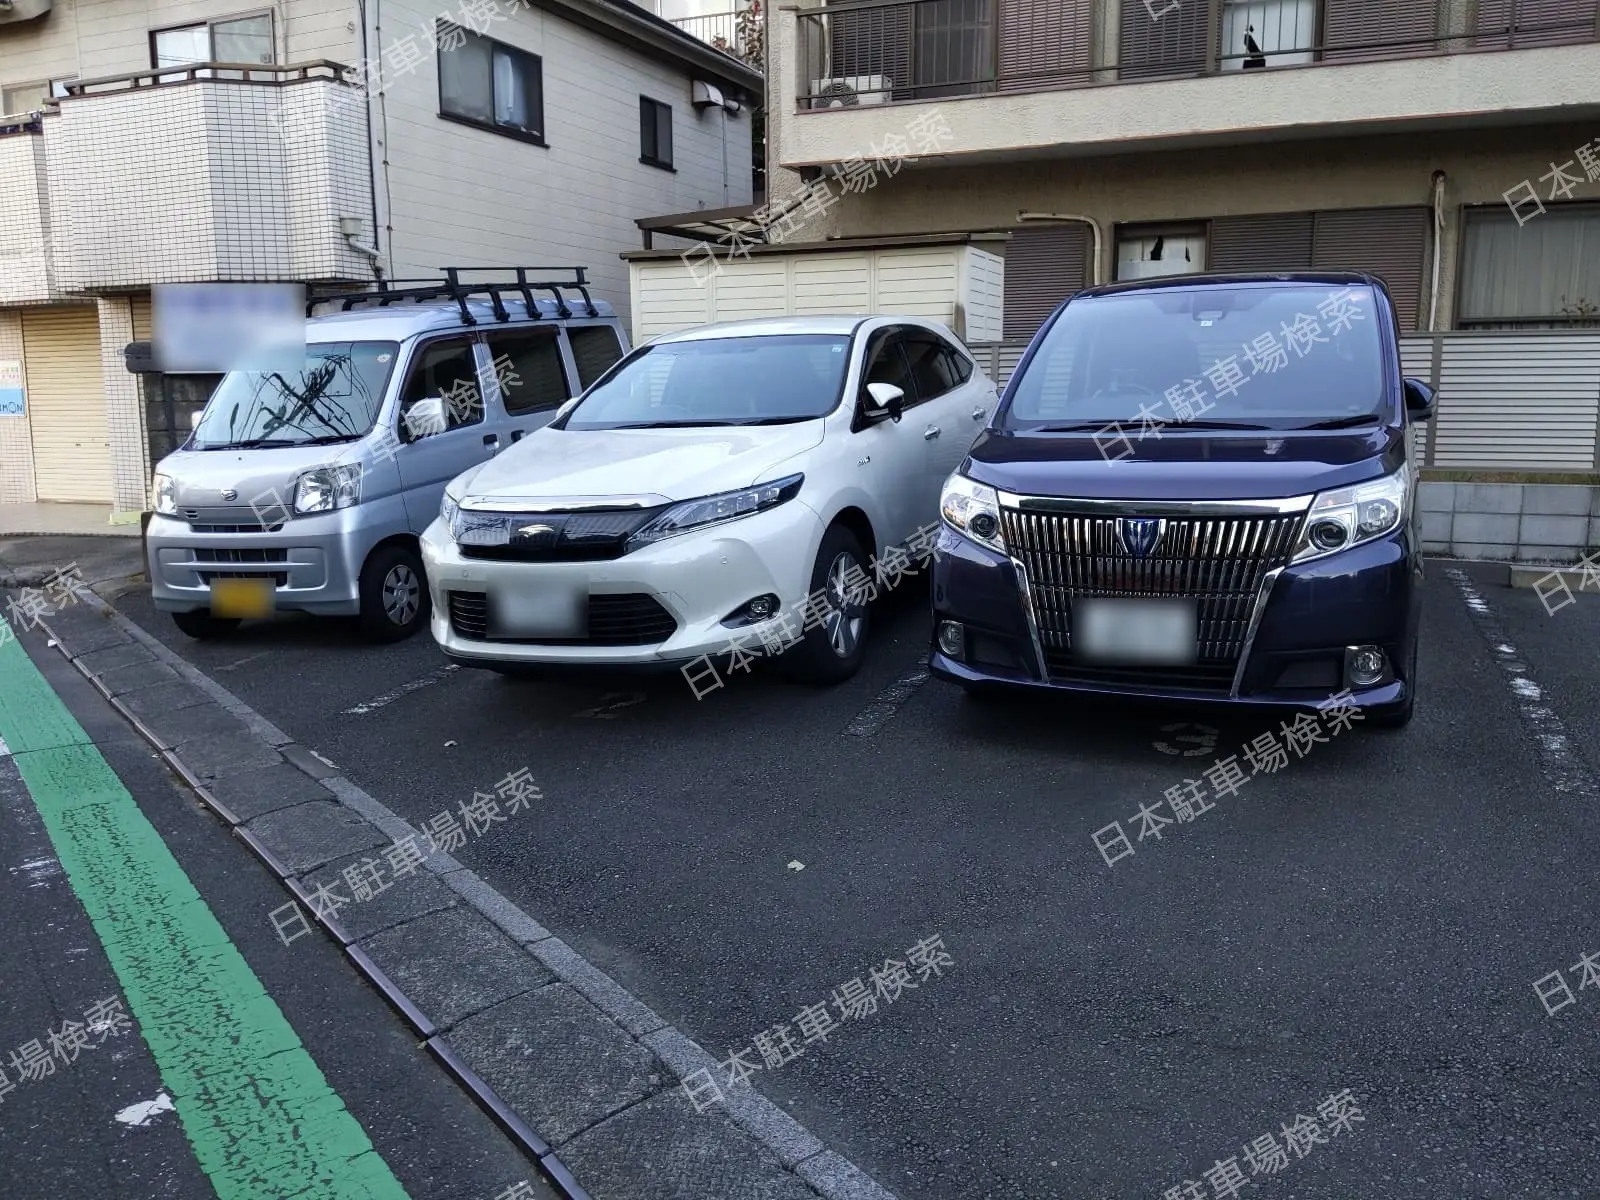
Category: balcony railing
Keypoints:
(873, 51)
(714, 29)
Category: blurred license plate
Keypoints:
(247, 598)
(1152, 632)
(540, 610)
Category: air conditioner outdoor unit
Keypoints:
(850, 91)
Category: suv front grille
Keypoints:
(629, 619)
(1218, 561)
(587, 536)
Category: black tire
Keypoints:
(834, 651)
(394, 594)
(202, 626)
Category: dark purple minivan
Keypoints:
(1195, 488)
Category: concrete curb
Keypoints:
(786, 1160)
(1573, 577)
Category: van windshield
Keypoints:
(762, 379)
(1296, 356)
(334, 397)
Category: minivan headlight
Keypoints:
(327, 489)
(713, 510)
(972, 509)
(449, 507)
(164, 494)
(1349, 516)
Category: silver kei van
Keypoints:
(305, 491)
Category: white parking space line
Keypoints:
(882, 710)
(1565, 771)
(234, 666)
(416, 685)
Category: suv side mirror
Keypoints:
(1419, 400)
(886, 401)
(426, 417)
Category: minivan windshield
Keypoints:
(334, 397)
(1291, 356)
(768, 379)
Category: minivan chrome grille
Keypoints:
(1219, 561)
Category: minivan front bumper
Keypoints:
(1304, 622)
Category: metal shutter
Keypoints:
(1045, 43)
(1175, 44)
(872, 42)
(67, 404)
(1506, 23)
(1044, 265)
(1392, 243)
(1370, 29)
(1262, 242)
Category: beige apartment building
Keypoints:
(146, 142)
(1450, 146)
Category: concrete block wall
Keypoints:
(1510, 522)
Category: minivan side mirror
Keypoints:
(886, 401)
(426, 417)
(1420, 400)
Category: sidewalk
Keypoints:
(92, 520)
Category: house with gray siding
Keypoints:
(145, 142)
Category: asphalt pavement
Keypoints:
(1324, 984)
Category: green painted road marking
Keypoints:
(263, 1121)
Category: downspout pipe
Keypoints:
(1094, 226)
(1438, 248)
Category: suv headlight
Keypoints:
(328, 488)
(972, 509)
(1349, 516)
(714, 510)
(164, 494)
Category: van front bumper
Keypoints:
(314, 561)
(669, 599)
(1365, 596)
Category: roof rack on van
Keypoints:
(453, 287)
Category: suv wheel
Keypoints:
(833, 651)
(394, 594)
(202, 626)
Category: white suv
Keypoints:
(703, 489)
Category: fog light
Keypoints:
(762, 608)
(1329, 535)
(952, 639)
(1365, 666)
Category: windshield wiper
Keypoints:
(1133, 424)
(1343, 422)
(265, 442)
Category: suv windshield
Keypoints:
(759, 380)
(1295, 356)
(334, 397)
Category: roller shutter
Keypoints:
(1044, 265)
(1392, 243)
(1044, 43)
(1262, 242)
(1369, 29)
(1174, 44)
(1519, 23)
(67, 404)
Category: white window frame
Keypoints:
(1134, 246)
(1285, 31)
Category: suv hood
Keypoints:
(1185, 465)
(663, 465)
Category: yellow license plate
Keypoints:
(246, 598)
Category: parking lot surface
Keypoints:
(1370, 919)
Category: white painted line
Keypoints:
(5, 750)
(1564, 769)
(40, 871)
(245, 661)
(146, 1111)
(416, 685)
(881, 711)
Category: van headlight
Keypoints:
(714, 510)
(164, 494)
(328, 489)
(449, 507)
(1349, 516)
(973, 510)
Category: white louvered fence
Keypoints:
(1512, 399)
